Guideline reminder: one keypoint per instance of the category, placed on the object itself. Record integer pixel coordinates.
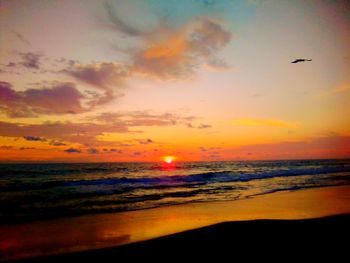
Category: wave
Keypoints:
(129, 183)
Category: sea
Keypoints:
(41, 191)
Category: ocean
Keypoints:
(40, 191)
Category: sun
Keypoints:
(169, 159)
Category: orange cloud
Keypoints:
(265, 122)
(342, 88)
(170, 53)
(172, 48)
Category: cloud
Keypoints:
(102, 76)
(208, 38)
(141, 118)
(217, 64)
(200, 126)
(265, 122)
(97, 125)
(11, 64)
(207, 149)
(204, 126)
(138, 153)
(57, 143)
(30, 60)
(71, 132)
(27, 148)
(34, 138)
(170, 53)
(22, 38)
(72, 150)
(6, 147)
(93, 151)
(118, 23)
(165, 52)
(210, 152)
(115, 150)
(111, 150)
(61, 98)
(167, 58)
(146, 141)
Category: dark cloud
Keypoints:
(209, 149)
(200, 126)
(203, 149)
(146, 141)
(11, 64)
(115, 150)
(92, 151)
(204, 126)
(34, 138)
(111, 150)
(72, 150)
(217, 64)
(61, 98)
(30, 60)
(210, 152)
(27, 148)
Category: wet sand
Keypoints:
(270, 240)
(114, 232)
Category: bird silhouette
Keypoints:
(301, 60)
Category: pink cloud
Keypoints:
(47, 100)
(86, 132)
(102, 76)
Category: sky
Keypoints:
(201, 80)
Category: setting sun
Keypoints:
(169, 159)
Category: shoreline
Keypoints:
(35, 220)
(90, 232)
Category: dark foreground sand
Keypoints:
(280, 240)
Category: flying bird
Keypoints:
(301, 60)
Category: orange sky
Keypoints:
(134, 81)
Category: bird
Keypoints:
(301, 60)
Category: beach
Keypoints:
(144, 130)
(128, 232)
